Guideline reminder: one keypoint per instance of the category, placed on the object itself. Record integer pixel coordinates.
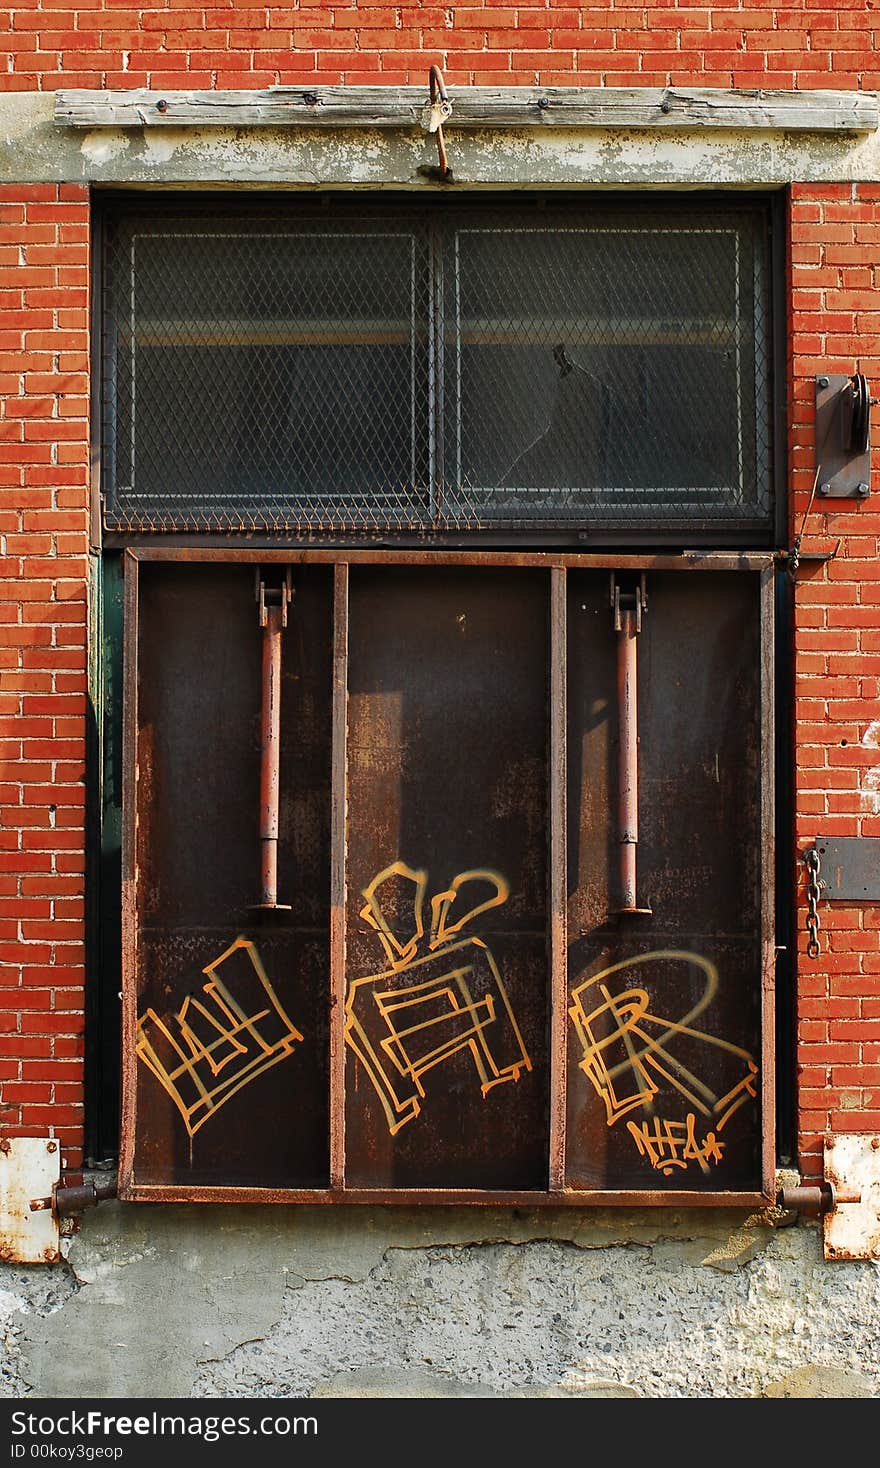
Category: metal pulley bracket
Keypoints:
(843, 435)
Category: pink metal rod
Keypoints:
(270, 756)
(628, 758)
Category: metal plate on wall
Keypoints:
(29, 1168)
(845, 472)
(849, 868)
(852, 1165)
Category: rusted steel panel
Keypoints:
(421, 1036)
(665, 1041)
(767, 676)
(447, 969)
(178, 548)
(558, 713)
(339, 780)
(129, 916)
(471, 1197)
(230, 1040)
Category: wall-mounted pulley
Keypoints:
(843, 435)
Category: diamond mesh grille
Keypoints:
(433, 369)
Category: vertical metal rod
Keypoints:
(339, 778)
(273, 602)
(629, 607)
(558, 879)
(130, 904)
(769, 1080)
(628, 756)
(270, 756)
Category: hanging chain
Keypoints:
(814, 892)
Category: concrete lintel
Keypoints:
(34, 149)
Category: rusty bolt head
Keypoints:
(875, 1143)
(51, 1146)
(5, 1146)
(50, 1254)
(5, 1252)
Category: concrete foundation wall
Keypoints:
(221, 1302)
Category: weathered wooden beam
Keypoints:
(476, 107)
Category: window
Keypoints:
(488, 915)
(567, 368)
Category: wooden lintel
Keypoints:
(476, 107)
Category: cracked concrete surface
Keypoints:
(214, 1302)
(33, 148)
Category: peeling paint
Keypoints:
(101, 145)
(34, 149)
(869, 785)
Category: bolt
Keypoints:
(310, 99)
(161, 105)
(665, 105)
(862, 489)
(543, 102)
(822, 381)
(5, 1146)
(825, 488)
(50, 1255)
(51, 1146)
(875, 1143)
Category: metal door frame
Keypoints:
(556, 565)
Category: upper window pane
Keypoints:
(266, 373)
(452, 368)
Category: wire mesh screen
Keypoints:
(433, 369)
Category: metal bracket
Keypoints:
(28, 1165)
(66, 1202)
(850, 868)
(279, 594)
(852, 1167)
(633, 600)
(843, 435)
(437, 111)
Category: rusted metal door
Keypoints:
(524, 943)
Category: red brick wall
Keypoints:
(91, 43)
(835, 248)
(835, 324)
(44, 437)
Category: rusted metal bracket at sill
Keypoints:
(65, 1202)
(818, 1198)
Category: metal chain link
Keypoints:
(814, 892)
